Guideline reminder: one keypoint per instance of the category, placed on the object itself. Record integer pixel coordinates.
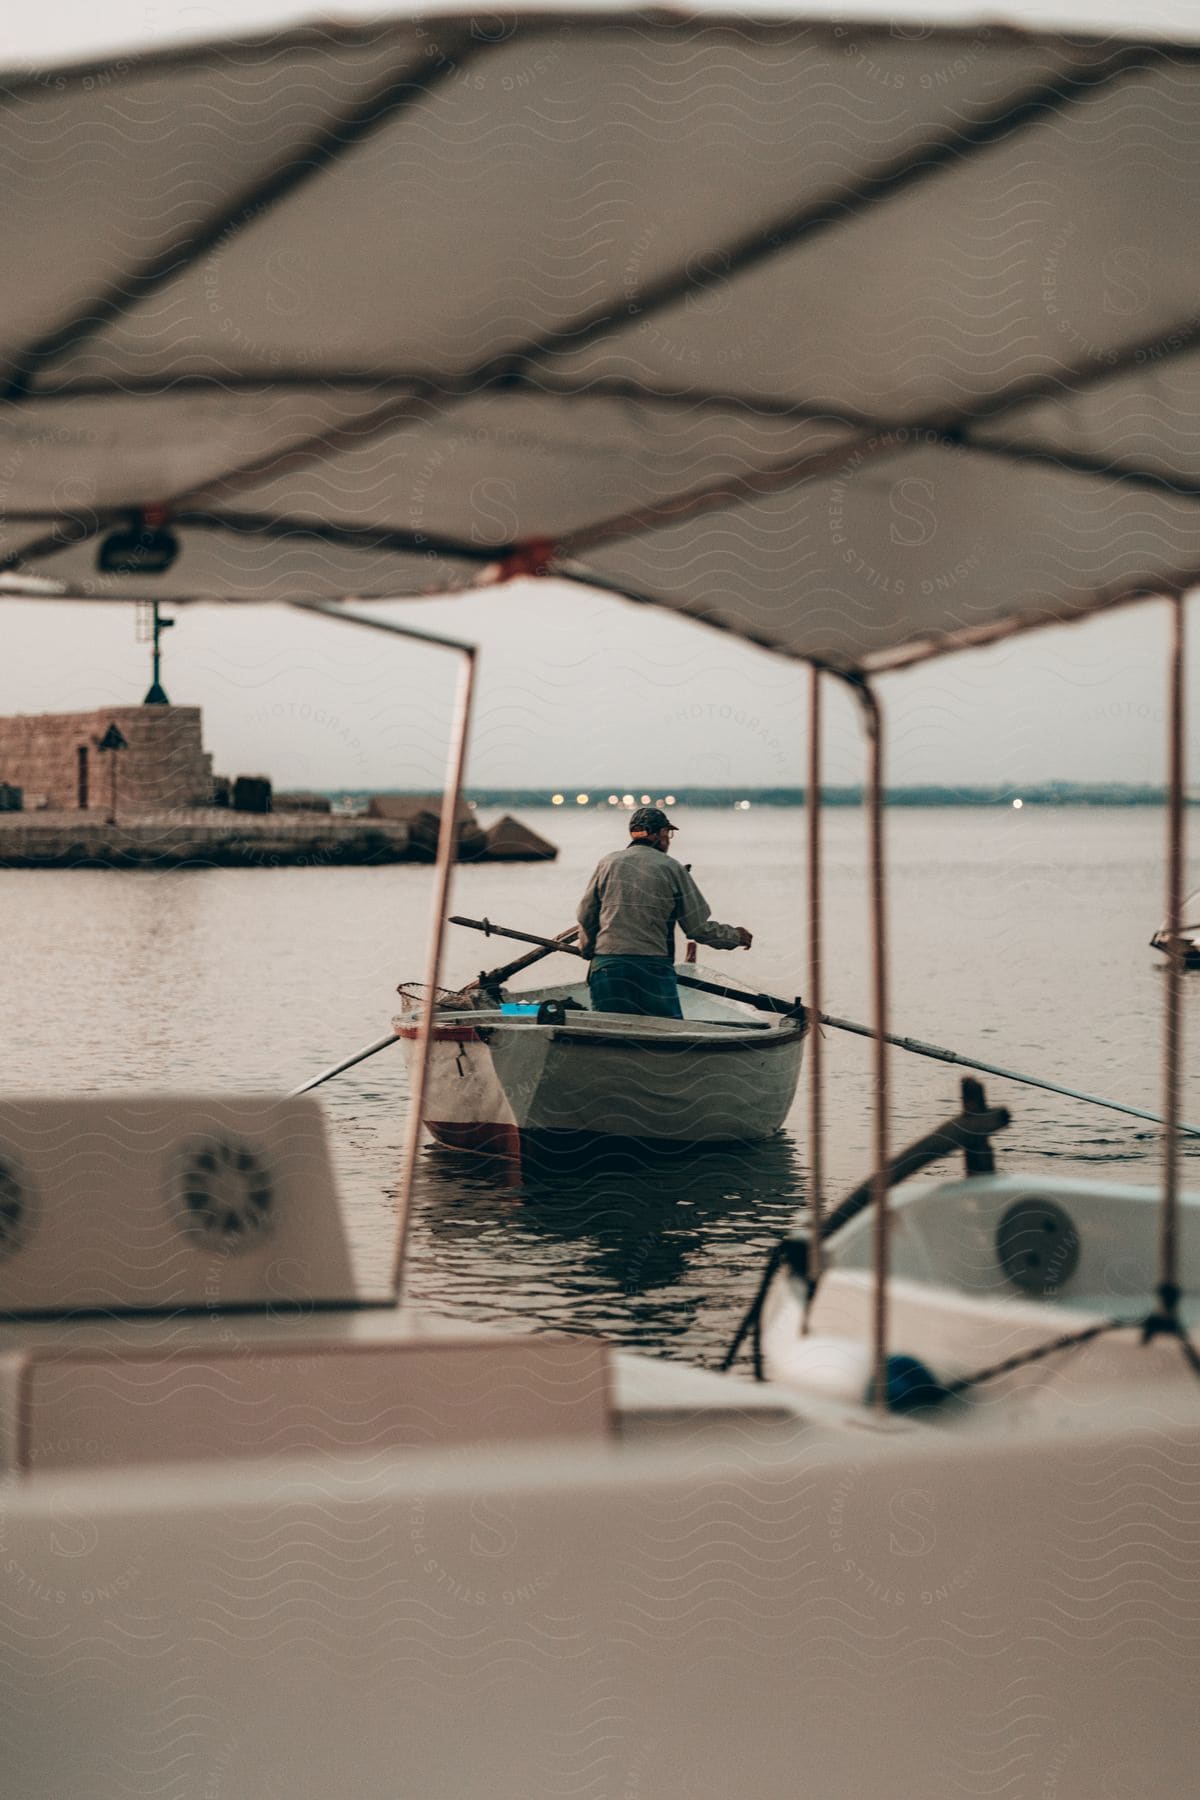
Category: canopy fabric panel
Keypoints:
(861, 343)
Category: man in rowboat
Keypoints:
(627, 921)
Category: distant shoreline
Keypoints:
(1056, 794)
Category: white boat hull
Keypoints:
(719, 1075)
(961, 1300)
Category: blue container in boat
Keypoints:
(520, 1009)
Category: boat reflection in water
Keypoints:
(645, 1243)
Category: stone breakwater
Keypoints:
(199, 839)
(217, 838)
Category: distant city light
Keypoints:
(743, 806)
(581, 799)
(1017, 805)
(645, 799)
(670, 800)
(613, 800)
(626, 799)
(556, 799)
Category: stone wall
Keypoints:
(55, 759)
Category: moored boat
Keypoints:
(541, 1062)
(1000, 1294)
(1188, 934)
(1008, 1294)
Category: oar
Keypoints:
(338, 1068)
(764, 1002)
(488, 978)
(985, 1068)
(771, 1003)
(493, 978)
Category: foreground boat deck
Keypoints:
(873, 1614)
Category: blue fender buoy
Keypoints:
(911, 1387)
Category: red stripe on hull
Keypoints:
(442, 1034)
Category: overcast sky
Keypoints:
(577, 690)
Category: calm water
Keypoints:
(1021, 936)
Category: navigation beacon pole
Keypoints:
(156, 694)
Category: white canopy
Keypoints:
(858, 340)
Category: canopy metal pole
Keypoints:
(873, 720)
(446, 856)
(816, 1120)
(1168, 1289)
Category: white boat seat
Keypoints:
(176, 1285)
(168, 1201)
(326, 1396)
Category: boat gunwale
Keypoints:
(725, 1035)
(792, 1033)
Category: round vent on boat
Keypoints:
(16, 1209)
(226, 1193)
(1037, 1245)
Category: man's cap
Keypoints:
(650, 819)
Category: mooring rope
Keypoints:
(1068, 1341)
(1156, 1324)
(752, 1317)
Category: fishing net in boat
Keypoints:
(413, 993)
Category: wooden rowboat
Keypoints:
(542, 1062)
